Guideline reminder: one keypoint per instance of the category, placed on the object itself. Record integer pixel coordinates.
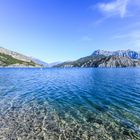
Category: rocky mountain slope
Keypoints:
(125, 53)
(105, 59)
(12, 59)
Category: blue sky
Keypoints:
(61, 30)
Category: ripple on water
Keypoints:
(74, 104)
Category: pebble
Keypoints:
(96, 125)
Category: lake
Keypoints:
(70, 104)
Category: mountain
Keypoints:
(13, 59)
(53, 64)
(40, 62)
(124, 53)
(106, 59)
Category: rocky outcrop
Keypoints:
(117, 61)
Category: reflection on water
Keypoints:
(70, 104)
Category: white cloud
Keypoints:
(117, 7)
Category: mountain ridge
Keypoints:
(10, 58)
(101, 58)
(128, 53)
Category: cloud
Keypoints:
(117, 7)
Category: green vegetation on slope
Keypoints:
(6, 60)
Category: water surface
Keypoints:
(70, 104)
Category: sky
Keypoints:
(63, 30)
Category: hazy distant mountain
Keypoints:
(44, 64)
(125, 53)
(53, 64)
(106, 59)
(13, 59)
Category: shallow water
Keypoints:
(70, 104)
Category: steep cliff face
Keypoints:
(117, 61)
(12, 59)
(102, 61)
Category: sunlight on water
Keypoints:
(70, 104)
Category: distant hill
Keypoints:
(53, 64)
(106, 59)
(13, 59)
(40, 62)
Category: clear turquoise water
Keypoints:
(70, 104)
